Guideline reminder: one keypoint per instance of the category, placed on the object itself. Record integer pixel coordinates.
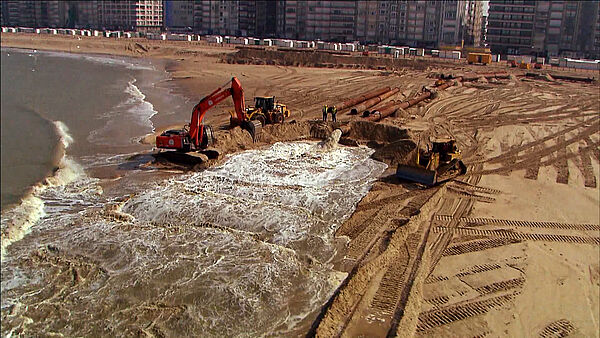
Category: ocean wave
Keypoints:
(17, 222)
(106, 60)
(139, 112)
(144, 109)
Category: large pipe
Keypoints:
(389, 110)
(371, 102)
(358, 99)
(486, 75)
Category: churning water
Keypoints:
(243, 249)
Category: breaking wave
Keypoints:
(243, 249)
(17, 222)
(135, 109)
(128, 63)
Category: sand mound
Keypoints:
(365, 130)
(321, 59)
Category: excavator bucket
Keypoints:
(254, 127)
(416, 174)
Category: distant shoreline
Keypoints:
(131, 47)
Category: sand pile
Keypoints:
(320, 59)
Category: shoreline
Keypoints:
(137, 48)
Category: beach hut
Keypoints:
(348, 47)
(214, 39)
(26, 30)
(238, 41)
(582, 64)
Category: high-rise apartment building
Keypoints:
(545, 28)
(419, 23)
(510, 26)
(116, 14)
(473, 22)
(452, 21)
(216, 17)
(83, 14)
(247, 17)
(178, 15)
(148, 15)
(483, 30)
(596, 45)
(42, 13)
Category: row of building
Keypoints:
(549, 28)
(419, 23)
(545, 28)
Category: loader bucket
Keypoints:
(416, 174)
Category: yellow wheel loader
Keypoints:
(436, 165)
(267, 110)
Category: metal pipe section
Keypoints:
(371, 102)
(358, 99)
(389, 110)
(486, 75)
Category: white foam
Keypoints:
(137, 110)
(17, 222)
(106, 60)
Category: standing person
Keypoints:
(333, 113)
(325, 113)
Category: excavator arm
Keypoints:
(214, 98)
(197, 134)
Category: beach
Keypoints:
(283, 238)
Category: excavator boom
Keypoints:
(200, 135)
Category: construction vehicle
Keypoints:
(436, 165)
(524, 65)
(482, 58)
(266, 110)
(197, 135)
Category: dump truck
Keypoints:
(440, 163)
(482, 58)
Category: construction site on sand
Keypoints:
(410, 244)
(508, 246)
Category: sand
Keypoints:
(510, 249)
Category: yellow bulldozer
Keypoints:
(436, 165)
(267, 110)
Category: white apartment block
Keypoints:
(148, 15)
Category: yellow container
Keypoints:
(482, 58)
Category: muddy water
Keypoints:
(243, 249)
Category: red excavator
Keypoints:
(197, 135)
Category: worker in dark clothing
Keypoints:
(325, 113)
(333, 112)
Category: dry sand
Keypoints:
(510, 249)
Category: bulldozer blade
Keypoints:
(416, 174)
(462, 167)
